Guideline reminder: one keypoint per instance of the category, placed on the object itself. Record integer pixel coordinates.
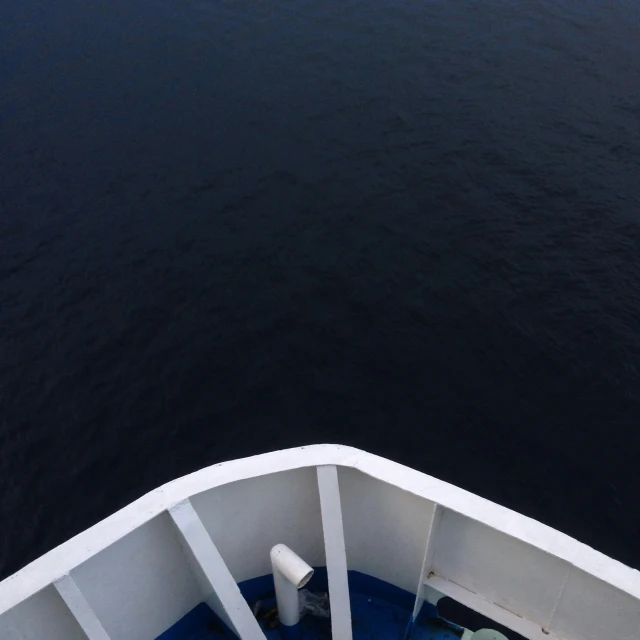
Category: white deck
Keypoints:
(133, 575)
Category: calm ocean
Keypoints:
(231, 226)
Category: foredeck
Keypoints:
(379, 611)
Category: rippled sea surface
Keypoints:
(230, 226)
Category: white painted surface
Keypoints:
(142, 584)
(222, 592)
(44, 616)
(80, 609)
(335, 550)
(7, 629)
(512, 574)
(427, 562)
(134, 575)
(385, 529)
(476, 602)
(593, 610)
(246, 519)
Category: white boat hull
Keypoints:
(133, 575)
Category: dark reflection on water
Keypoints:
(228, 227)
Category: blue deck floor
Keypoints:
(378, 611)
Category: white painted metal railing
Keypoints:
(531, 578)
(228, 603)
(225, 598)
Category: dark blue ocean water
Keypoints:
(230, 226)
